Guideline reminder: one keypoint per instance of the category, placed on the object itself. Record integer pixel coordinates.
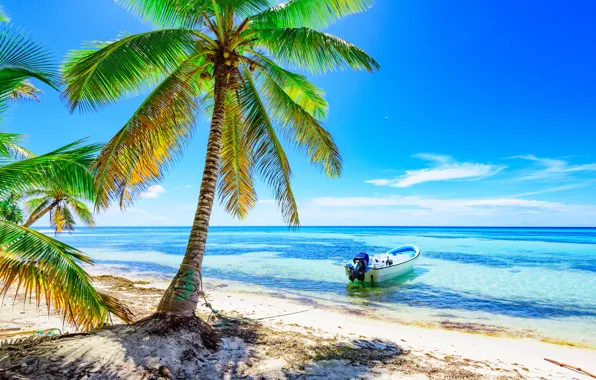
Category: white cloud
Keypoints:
(442, 168)
(153, 192)
(552, 168)
(432, 203)
(187, 186)
(555, 189)
(420, 211)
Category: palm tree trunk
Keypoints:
(35, 216)
(182, 296)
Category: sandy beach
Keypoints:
(297, 337)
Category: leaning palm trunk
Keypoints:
(35, 216)
(182, 296)
(226, 52)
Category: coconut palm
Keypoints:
(41, 266)
(62, 205)
(226, 57)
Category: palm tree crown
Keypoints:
(241, 42)
(62, 205)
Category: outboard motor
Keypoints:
(359, 269)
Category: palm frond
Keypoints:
(3, 15)
(67, 166)
(10, 147)
(142, 152)
(43, 267)
(314, 51)
(235, 181)
(187, 14)
(316, 14)
(167, 13)
(298, 87)
(61, 218)
(270, 160)
(22, 58)
(82, 211)
(302, 128)
(26, 91)
(103, 73)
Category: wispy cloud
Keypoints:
(552, 167)
(187, 186)
(555, 189)
(442, 168)
(432, 203)
(153, 192)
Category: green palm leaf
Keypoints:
(298, 87)
(3, 15)
(103, 73)
(22, 58)
(141, 152)
(82, 211)
(187, 14)
(235, 184)
(316, 14)
(10, 147)
(314, 51)
(26, 91)
(67, 166)
(43, 267)
(270, 160)
(302, 128)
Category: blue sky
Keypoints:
(482, 114)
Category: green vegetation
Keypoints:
(227, 58)
(37, 265)
(62, 206)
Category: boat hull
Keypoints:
(375, 275)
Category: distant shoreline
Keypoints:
(307, 227)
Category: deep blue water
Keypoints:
(512, 276)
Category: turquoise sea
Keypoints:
(536, 281)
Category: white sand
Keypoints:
(523, 356)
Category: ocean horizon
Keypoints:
(534, 281)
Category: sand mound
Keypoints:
(156, 346)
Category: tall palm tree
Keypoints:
(62, 205)
(226, 57)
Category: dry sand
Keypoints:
(307, 339)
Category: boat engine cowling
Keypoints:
(359, 269)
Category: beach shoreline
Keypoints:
(484, 351)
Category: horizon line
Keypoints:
(332, 226)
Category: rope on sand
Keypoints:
(573, 368)
(50, 332)
(240, 320)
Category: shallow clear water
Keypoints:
(540, 280)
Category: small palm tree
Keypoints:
(40, 265)
(62, 205)
(227, 57)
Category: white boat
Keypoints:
(378, 268)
